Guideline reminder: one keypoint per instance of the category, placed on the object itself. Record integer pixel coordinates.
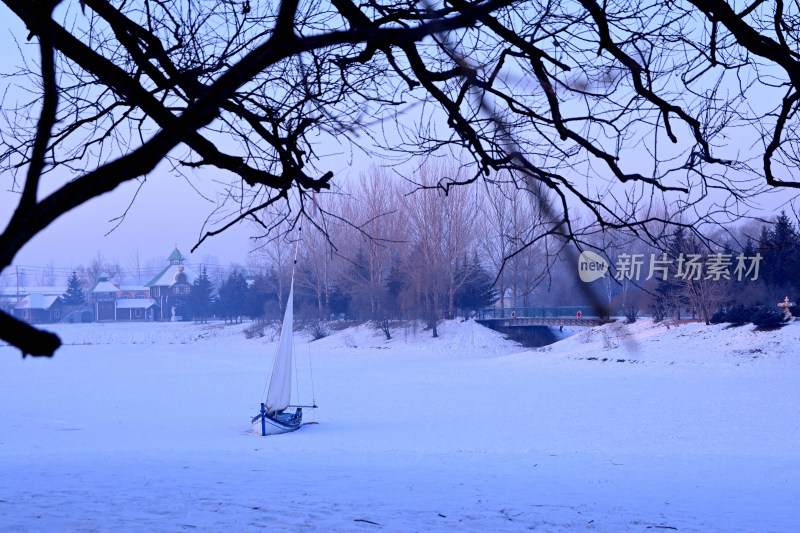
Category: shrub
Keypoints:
(256, 330)
(384, 325)
(659, 311)
(590, 335)
(739, 315)
(735, 315)
(631, 313)
(610, 339)
(318, 330)
(719, 317)
(767, 317)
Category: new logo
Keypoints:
(591, 266)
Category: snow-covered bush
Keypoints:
(384, 325)
(659, 311)
(318, 329)
(761, 316)
(610, 339)
(590, 335)
(631, 313)
(258, 330)
(766, 317)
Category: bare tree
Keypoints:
(135, 264)
(425, 262)
(275, 249)
(495, 239)
(380, 226)
(567, 94)
(376, 221)
(441, 233)
(314, 266)
(47, 277)
(99, 266)
(515, 239)
(459, 208)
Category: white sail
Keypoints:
(280, 382)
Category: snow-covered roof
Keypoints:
(12, 290)
(37, 301)
(134, 288)
(104, 286)
(135, 303)
(167, 276)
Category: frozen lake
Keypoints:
(643, 428)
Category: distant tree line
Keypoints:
(393, 255)
(430, 255)
(442, 253)
(437, 254)
(736, 275)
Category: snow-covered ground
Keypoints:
(145, 427)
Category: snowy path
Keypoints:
(462, 433)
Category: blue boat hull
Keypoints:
(275, 423)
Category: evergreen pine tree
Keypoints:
(233, 296)
(261, 299)
(670, 297)
(477, 293)
(748, 292)
(339, 300)
(396, 281)
(783, 254)
(74, 294)
(200, 298)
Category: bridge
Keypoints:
(522, 317)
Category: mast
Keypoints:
(279, 391)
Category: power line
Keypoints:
(38, 271)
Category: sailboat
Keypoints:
(273, 417)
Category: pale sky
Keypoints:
(166, 211)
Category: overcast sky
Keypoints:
(167, 210)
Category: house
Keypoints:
(170, 288)
(134, 303)
(136, 309)
(121, 303)
(133, 291)
(10, 296)
(38, 308)
(163, 298)
(104, 298)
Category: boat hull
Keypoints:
(265, 424)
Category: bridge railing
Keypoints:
(538, 312)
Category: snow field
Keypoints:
(145, 427)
